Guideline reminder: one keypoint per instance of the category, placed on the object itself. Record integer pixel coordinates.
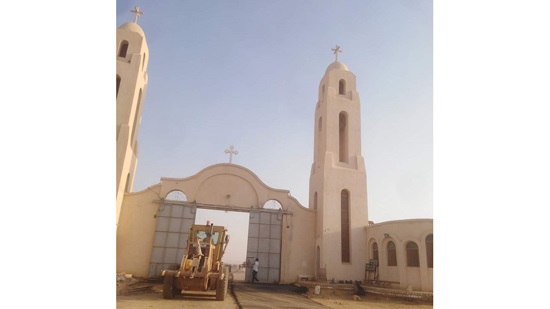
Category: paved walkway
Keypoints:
(263, 295)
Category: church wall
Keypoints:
(123, 160)
(413, 278)
(132, 169)
(316, 186)
(340, 180)
(136, 230)
(390, 274)
(298, 254)
(401, 232)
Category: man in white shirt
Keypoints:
(255, 270)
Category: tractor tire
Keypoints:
(221, 289)
(168, 290)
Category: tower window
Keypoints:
(123, 49)
(127, 187)
(345, 215)
(315, 201)
(392, 254)
(430, 250)
(320, 123)
(143, 64)
(412, 255)
(318, 259)
(343, 137)
(342, 87)
(117, 84)
(135, 125)
(323, 90)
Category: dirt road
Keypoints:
(136, 294)
(185, 300)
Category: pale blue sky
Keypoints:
(247, 73)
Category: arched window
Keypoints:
(345, 215)
(323, 90)
(392, 254)
(127, 188)
(123, 49)
(117, 84)
(343, 137)
(412, 255)
(143, 64)
(272, 204)
(430, 250)
(320, 123)
(315, 201)
(375, 251)
(318, 259)
(135, 125)
(176, 195)
(342, 87)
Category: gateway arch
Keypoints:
(155, 222)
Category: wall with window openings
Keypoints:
(404, 250)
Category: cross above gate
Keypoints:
(231, 152)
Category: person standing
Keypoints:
(255, 270)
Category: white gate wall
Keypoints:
(171, 233)
(264, 243)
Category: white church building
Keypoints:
(330, 239)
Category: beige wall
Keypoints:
(135, 232)
(298, 247)
(211, 186)
(401, 232)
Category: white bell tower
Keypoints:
(338, 185)
(131, 84)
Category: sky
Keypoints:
(490, 126)
(246, 73)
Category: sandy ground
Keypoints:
(134, 293)
(371, 301)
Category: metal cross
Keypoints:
(231, 152)
(336, 51)
(137, 12)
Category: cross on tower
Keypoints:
(336, 51)
(137, 12)
(231, 152)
